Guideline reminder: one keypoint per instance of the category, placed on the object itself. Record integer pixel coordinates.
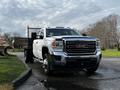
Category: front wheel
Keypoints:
(92, 70)
(46, 64)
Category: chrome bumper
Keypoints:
(66, 58)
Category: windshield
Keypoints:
(60, 32)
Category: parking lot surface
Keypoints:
(107, 77)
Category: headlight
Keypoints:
(98, 44)
(57, 44)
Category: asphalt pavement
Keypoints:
(107, 77)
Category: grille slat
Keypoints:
(80, 47)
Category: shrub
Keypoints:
(6, 87)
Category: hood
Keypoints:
(75, 37)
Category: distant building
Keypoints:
(19, 42)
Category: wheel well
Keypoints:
(44, 50)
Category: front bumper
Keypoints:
(62, 60)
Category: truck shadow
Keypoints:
(63, 80)
(38, 67)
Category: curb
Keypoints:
(23, 77)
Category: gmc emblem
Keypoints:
(81, 46)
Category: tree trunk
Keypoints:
(118, 47)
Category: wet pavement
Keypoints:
(107, 77)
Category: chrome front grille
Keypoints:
(79, 47)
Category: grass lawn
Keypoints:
(18, 50)
(10, 68)
(111, 53)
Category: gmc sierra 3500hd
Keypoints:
(64, 49)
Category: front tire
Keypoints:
(92, 70)
(46, 64)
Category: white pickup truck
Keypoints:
(64, 49)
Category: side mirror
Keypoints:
(84, 34)
(41, 37)
(33, 35)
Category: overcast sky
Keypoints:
(15, 15)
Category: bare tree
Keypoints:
(106, 30)
(16, 34)
(8, 38)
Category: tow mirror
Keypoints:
(33, 35)
(84, 34)
(41, 37)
